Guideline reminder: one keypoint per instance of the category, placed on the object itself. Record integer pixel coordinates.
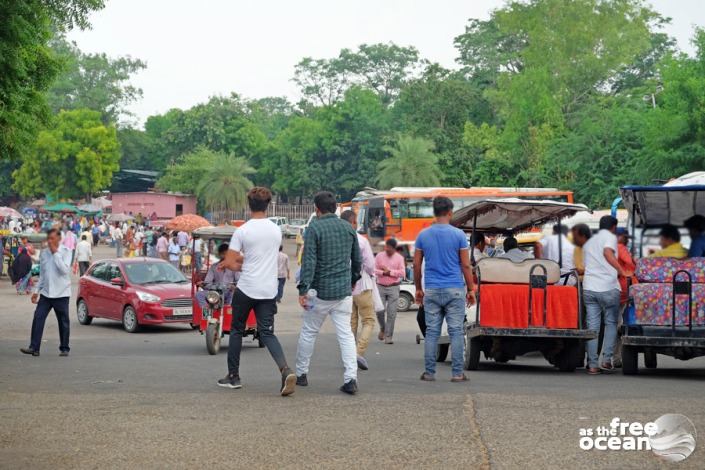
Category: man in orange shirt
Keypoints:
(627, 263)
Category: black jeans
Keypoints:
(61, 309)
(265, 309)
(83, 267)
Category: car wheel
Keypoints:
(404, 302)
(630, 360)
(442, 352)
(212, 339)
(650, 360)
(129, 320)
(82, 313)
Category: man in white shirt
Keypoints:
(254, 249)
(84, 254)
(547, 248)
(53, 291)
(512, 251)
(601, 292)
(478, 247)
(118, 238)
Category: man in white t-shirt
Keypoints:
(549, 249)
(254, 250)
(601, 292)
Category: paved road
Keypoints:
(149, 400)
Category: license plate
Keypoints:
(183, 312)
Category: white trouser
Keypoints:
(339, 311)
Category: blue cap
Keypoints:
(622, 231)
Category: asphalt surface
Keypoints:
(149, 400)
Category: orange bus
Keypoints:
(403, 212)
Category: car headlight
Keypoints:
(147, 297)
(213, 297)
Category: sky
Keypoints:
(195, 49)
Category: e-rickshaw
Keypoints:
(528, 306)
(665, 313)
(214, 321)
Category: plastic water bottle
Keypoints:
(310, 298)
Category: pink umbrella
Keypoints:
(9, 212)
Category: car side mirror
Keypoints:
(117, 282)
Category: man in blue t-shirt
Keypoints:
(447, 273)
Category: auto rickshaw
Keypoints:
(214, 321)
(522, 307)
(666, 308)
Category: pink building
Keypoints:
(164, 205)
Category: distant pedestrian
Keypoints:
(389, 269)
(197, 252)
(182, 239)
(283, 274)
(174, 253)
(444, 286)
(70, 242)
(53, 291)
(163, 247)
(84, 254)
(119, 240)
(363, 309)
(331, 266)
(253, 251)
(601, 291)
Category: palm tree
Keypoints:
(411, 163)
(225, 184)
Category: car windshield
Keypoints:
(153, 273)
(297, 222)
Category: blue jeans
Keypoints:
(280, 289)
(596, 305)
(61, 309)
(448, 303)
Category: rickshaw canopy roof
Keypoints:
(654, 206)
(222, 232)
(511, 214)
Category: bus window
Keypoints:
(420, 208)
(362, 218)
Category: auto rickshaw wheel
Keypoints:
(630, 360)
(213, 339)
(650, 360)
(442, 352)
(568, 358)
(471, 357)
(194, 326)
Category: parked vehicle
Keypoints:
(522, 307)
(281, 222)
(294, 226)
(407, 292)
(134, 291)
(666, 310)
(214, 321)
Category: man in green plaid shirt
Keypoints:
(330, 265)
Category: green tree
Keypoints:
(185, 175)
(412, 162)
(224, 186)
(93, 81)
(28, 66)
(137, 150)
(322, 82)
(76, 157)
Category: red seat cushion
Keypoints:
(507, 306)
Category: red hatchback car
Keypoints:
(134, 291)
